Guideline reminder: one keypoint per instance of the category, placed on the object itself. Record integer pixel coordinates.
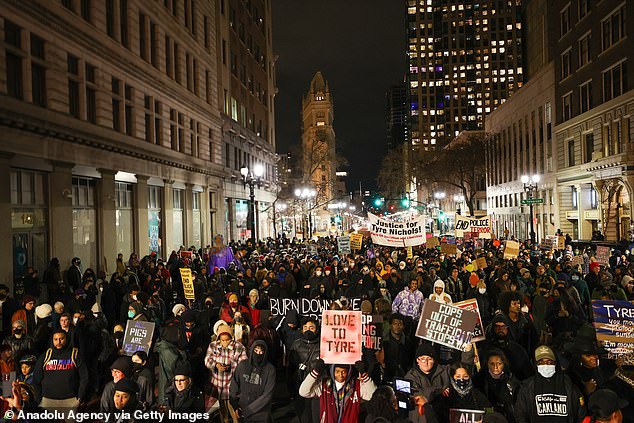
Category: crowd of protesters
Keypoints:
(225, 353)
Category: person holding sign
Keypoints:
(439, 294)
(461, 395)
(339, 393)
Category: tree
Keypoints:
(460, 165)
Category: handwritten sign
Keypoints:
(371, 331)
(397, 234)
(305, 307)
(138, 337)
(511, 249)
(447, 325)
(576, 261)
(340, 337)
(614, 322)
(356, 241)
(472, 305)
(188, 283)
(603, 255)
(459, 415)
(481, 262)
(410, 252)
(480, 227)
(433, 242)
(448, 249)
(343, 244)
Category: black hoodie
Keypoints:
(63, 376)
(252, 386)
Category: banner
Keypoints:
(356, 241)
(447, 325)
(459, 415)
(476, 225)
(188, 283)
(372, 331)
(603, 255)
(614, 322)
(138, 336)
(472, 305)
(305, 307)
(397, 234)
(343, 244)
(340, 337)
(511, 249)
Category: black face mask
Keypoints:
(137, 367)
(309, 335)
(118, 335)
(258, 359)
(3, 296)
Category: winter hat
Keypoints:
(96, 308)
(28, 359)
(126, 385)
(525, 273)
(18, 324)
(292, 317)
(59, 307)
(183, 368)
(254, 292)
(605, 279)
(233, 297)
(604, 402)
(426, 349)
(43, 311)
(474, 279)
(178, 309)
(438, 284)
(143, 297)
(327, 268)
(223, 328)
(594, 265)
(124, 365)
(189, 316)
(366, 307)
(626, 280)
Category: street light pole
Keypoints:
(252, 178)
(530, 186)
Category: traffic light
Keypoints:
(441, 216)
(378, 202)
(405, 203)
(337, 219)
(391, 207)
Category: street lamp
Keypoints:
(530, 186)
(458, 199)
(252, 178)
(441, 216)
(306, 194)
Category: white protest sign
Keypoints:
(397, 234)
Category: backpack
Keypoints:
(49, 354)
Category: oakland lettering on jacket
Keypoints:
(59, 364)
(551, 405)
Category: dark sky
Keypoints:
(359, 46)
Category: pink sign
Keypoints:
(340, 337)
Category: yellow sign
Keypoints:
(356, 241)
(188, 284)
(410, 253)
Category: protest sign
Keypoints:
(410, 252)
(511, 249)
(561, 242)
(603, 255)
(188, 283)
(481, 262)
(356, 241)
(397, 234)
(312, 249)
(433, 242)
(472, 305)
(7, 383)
(479, 227)
(340, 337)
(460, 415)
(138, 336)
(371, 331)
(343, 244)
(305, 307)
(547, 244)
(614, 322)
(186, 254)
(448, 249)
(576, 261)
(447, 325)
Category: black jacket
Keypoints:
(542, 399)
(64, 375)
(302, 356)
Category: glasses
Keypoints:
(425, 359)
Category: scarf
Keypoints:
(462, 392)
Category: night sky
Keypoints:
(359, 46)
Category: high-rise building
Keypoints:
(116, 135)
(465, 59)
(396, 111)
(318, 140)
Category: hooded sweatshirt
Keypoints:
(64, 375)
(252, 385)
(443, 297)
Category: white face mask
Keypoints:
(482, 291)
(401, 267)
(134, 297)
(327, 272)
(345, 269)
(75, 320)
(546, 370)
(318, 273)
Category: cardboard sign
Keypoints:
(138, 336)
(481, 262)
(460, 415)
(188, 283)
(186, 254)
(547, 244)
(614, 322)
(312, 249)
(577, 261)
(397, 234)
(449, 249)
(372, 331)
(433, 242)
(603, 255)
(340, 337)
(561, 242)
(447, 325)
(480, 227)
(410, 252)
(356, 241)
(305, 307)
(511, 250)
(472, 305)
(343, 244)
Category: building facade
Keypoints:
(113, 131)
(594, 101)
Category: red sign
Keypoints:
(340, 337)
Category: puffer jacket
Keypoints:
(430, 387)
(302, 357)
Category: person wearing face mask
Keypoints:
(498, 383)
(287, 282)
(313, 282)
(231, 307)
(301, 358)
(252, 385)
(19, 341)
(383, 292)
(461, 395)
(128, 299)
(498, 336)
(584, 293)
(549, 395)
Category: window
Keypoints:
(174, 129)
(143, 36)
(227, 155)
(584, 50)
(549, 121)
(206, 31)
(588, 140)
(188, 71)
(566, 102)
(177, 65)
(85, 10)
(15, 86)
(154, 44)
(158, 123)
(614, 81)
(123, 22)
(74, 107)
(564, 17)
(582, 8)
(116, 104)
(129, 110)
(234, 109)
(110, 18)
(574, 196)
(91, 94)
(613, 28)
(38, 71)
(585, 97)
(565, 63)
(594, 198)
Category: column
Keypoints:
(107, 220)
(6, 259)
(585, 226)
(61, 212)
(141, 226)
(205, 217)
(167, 225)
(188, 216)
